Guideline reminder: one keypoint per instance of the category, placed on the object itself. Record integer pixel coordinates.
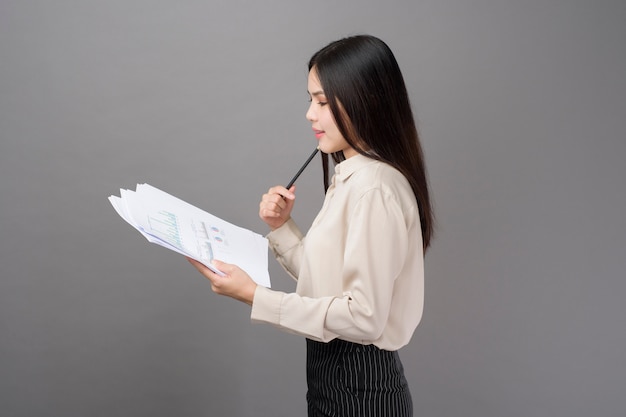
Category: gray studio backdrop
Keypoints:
(521, 107)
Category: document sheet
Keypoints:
(179, 226)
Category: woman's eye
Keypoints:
(319, 103)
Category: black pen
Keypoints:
(295, 177)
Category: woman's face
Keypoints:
(322, 121)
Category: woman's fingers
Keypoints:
(275, 206)
(236, 283)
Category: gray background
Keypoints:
(521, 107)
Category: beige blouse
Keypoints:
(360, 268)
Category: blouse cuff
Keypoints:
(285, 237)
(266, 306)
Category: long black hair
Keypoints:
(367, 95)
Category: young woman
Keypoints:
(360, 267)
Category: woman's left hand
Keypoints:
(236, 284)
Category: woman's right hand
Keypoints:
(276, 204)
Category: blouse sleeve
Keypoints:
(376, 249)
(286, 244)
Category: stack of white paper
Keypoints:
(179, 226)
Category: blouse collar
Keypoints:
(347, 167)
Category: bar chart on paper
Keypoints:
(165, 225)
(179, 226)
(201, 238)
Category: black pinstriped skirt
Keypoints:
(352, 380)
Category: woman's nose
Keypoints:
(310, 114)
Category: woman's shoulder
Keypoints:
(379, 175)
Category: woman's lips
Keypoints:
(318, 133)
